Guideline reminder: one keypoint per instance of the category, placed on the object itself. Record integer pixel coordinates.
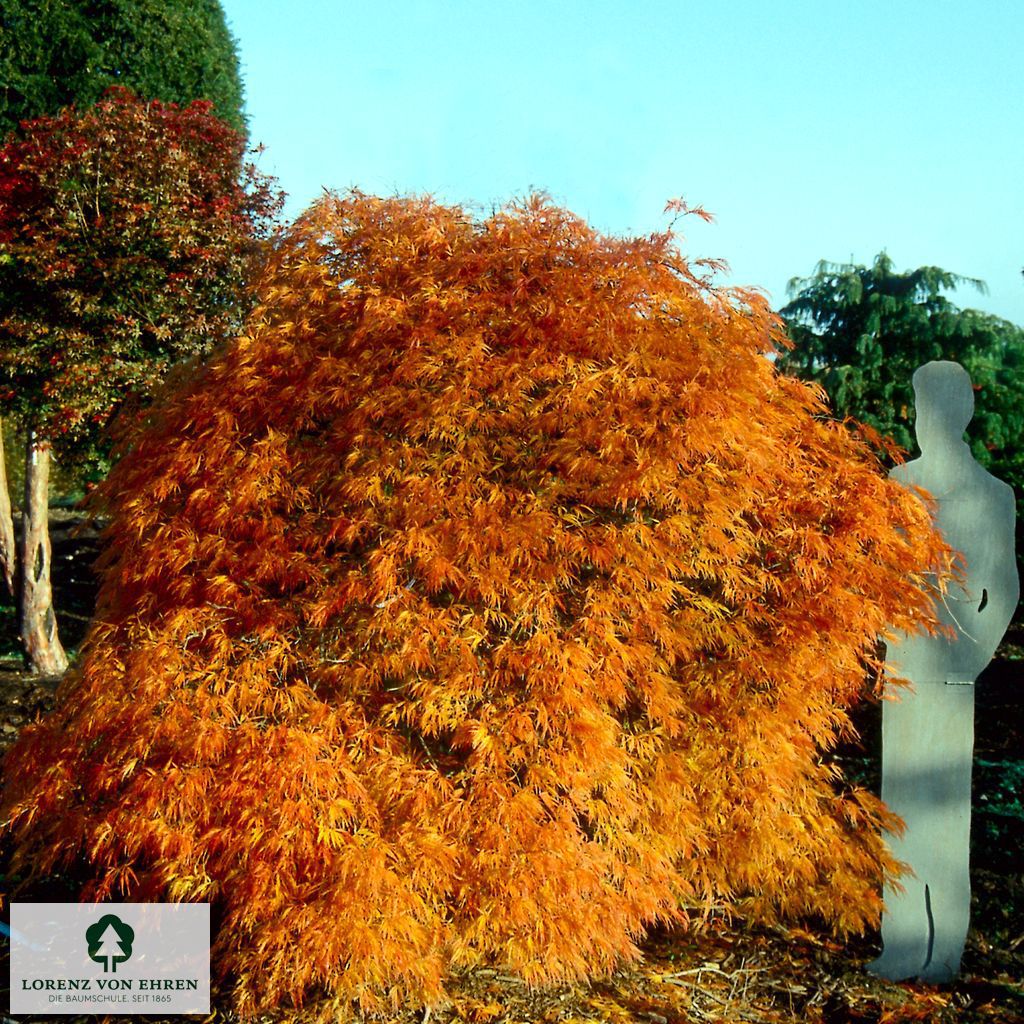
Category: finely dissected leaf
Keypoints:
(492, 598)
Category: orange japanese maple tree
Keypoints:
(492, 598)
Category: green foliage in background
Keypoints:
(998, 826)
(69, 480)
(57, 52)
(861, 332)
(129, 234)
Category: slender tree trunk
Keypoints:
(44, 654)
(7, 552)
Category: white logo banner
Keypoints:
(110, 958)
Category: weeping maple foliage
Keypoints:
(491, 599)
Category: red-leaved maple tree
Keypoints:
(127, 234)
(490, 599)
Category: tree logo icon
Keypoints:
(110, 942)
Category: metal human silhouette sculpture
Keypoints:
(928, 733)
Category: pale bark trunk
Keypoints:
(44, 654)
(7, 552)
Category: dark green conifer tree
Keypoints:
(57, 52)
(861, 332)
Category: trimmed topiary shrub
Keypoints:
(493, 598)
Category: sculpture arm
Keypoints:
(1005, 580)
(996, 590)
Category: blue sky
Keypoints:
(811, 130)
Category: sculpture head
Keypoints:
(944, 403)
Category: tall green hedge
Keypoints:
(57, 52)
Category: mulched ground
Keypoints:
(727, 972)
